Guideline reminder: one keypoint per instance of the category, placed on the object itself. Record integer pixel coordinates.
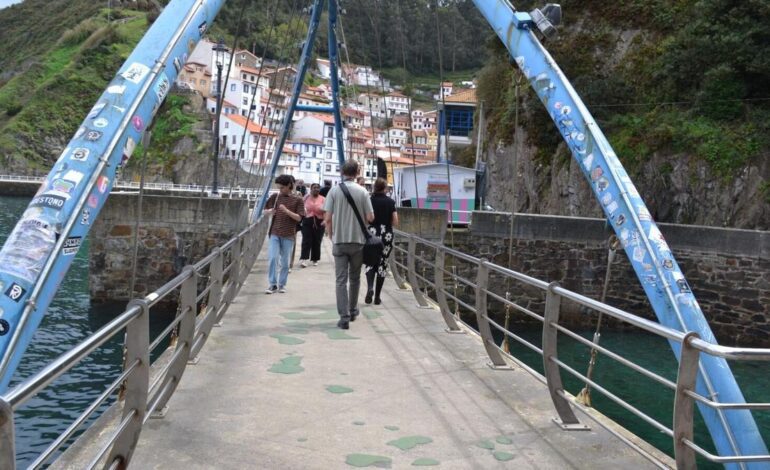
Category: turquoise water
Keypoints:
(69, 320)
(654, 399)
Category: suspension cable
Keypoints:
(443, 104)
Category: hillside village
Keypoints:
(379, 121)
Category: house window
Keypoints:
(304, 148)
(329, 131)
(227, 124)
(233, 140)
(232, 87)
(244, 76)
(203, 82)
(328, 155)
(307, 165)
(330, 143)
(328, 168)
(232, 153)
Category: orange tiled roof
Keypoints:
(252, 126)
(464, 96)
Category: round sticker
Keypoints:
(138, 123)
(101, 122)
(5, 327)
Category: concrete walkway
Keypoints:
(279, 386)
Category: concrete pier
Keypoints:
(279, 386)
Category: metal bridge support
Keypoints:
(212, 307)
(446, 312)
(7, 451)
(412, 274)
(397, 278)
(567, 419)
(136, 386)
(482, 283)
(185, 336)
(684, 404)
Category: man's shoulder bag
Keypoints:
(373, 245)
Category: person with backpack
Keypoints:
(385, 219)
(345, 205)
(286, 209)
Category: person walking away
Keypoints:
(312, 227)
(348, 240)
(362, 182)
(327, 187)
(301, 188)
(286, 209)
(385, 219)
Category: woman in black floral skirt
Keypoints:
(385, 218)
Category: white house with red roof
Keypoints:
(246, 141)
(397, 103)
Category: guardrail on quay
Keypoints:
(144, 388)
(251, 193)
(412, 255)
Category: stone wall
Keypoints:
(728, 270)
(173, 232)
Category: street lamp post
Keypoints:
(219, 55)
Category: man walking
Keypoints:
(326, 188)
(286, 209)
(348, 240)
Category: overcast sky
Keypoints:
(5, 3)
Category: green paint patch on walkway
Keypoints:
(359, 423)
(425, 462)
(290, 340)
(336, 333)
(503, 456)
(328, 315)
(410, 442)
(338, 389)
(372, 314)
(302, 439)
(504, 440)
(485, 444)
(288, 365)
(392, 428)
(366, 460)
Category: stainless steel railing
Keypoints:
(416, 263)
(120, 184)
(143, 389)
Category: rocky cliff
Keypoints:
(677, 188)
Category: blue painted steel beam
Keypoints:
(733, 431)
(38, 252)
(304, 63)
(333, 57)
(314, 109)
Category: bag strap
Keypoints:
(346, 191)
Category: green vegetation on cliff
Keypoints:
(662, 76)
(43, 104)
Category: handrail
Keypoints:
(244, 248)
(693, 347)
(120, 184)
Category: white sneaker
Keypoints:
(303, 263)
(282, 290)
(315, 263)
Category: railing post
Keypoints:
(212, 305)
(185, 338)
(233, 277)
(482, 283)
(397, 278)
(446, 313)
(136, 385)
(567, 419)
(412, 274)
(7, 440)
(683, 404)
